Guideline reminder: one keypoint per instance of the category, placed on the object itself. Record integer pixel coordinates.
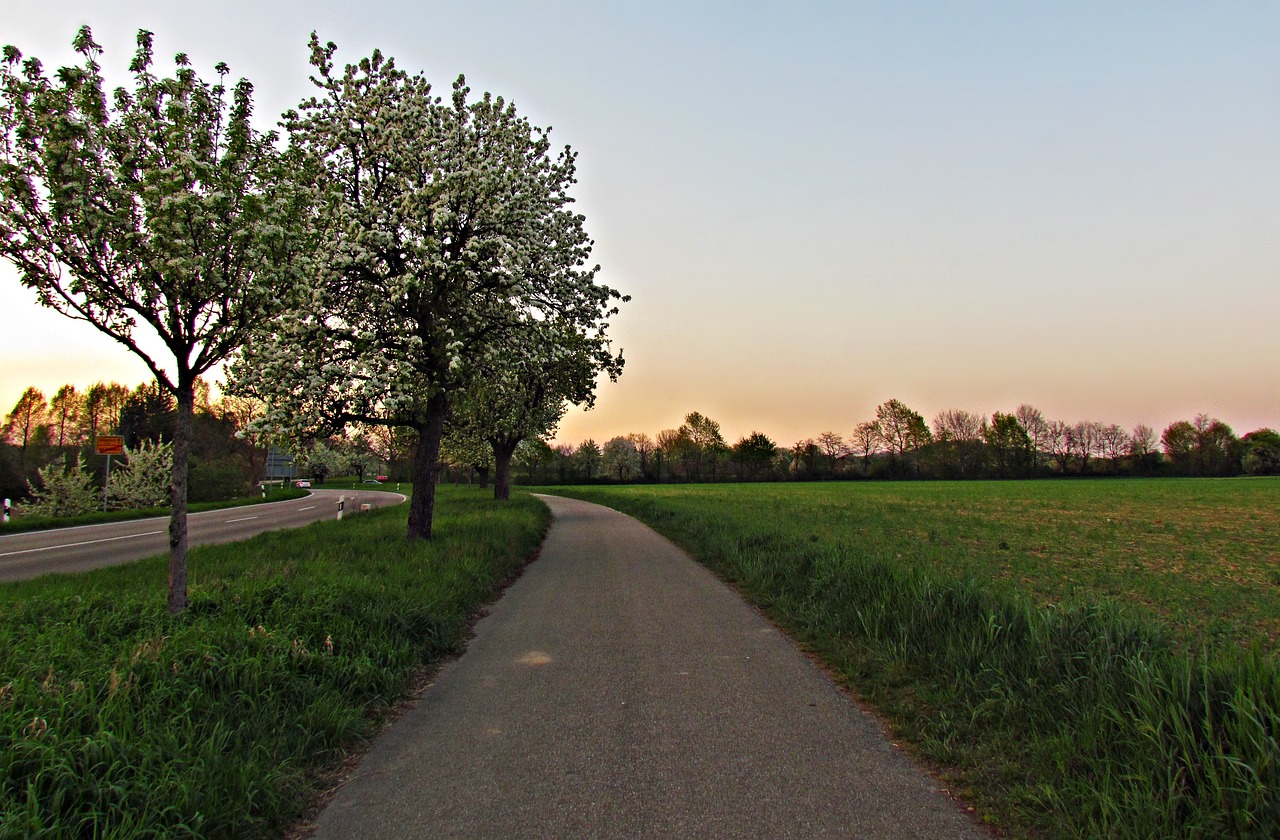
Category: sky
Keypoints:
(820, 206)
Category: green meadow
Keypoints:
(1086, 658)
(120, 720)
(1078, 659)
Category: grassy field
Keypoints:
(118, 720)
(1081, 658)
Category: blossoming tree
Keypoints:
(522, 390)
(159, 216)
(444, 227)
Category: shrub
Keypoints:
(64, 491)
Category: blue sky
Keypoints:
(818, 206)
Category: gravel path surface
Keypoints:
(618, 690)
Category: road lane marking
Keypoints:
(242, 519)
(6, 538)
(77, 544)
(260, 505)
(310, 507)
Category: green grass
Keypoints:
(118, 720)
(1082, 659)
(46, 523)
(353, 483)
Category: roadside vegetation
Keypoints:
(120, 719)
(48, 465)
(1081, 659)
(45, 523)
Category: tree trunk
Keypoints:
(178, 499)
(426, 463)
(483, 472)
(502, 453)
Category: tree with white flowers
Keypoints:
(445, 230)
(522, 390)
(320, 460)
(145, 481)
(619, 459)
(65, 490)
(157, 214)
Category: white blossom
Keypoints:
(446, 230)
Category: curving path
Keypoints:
(618, 690)
(34, 553)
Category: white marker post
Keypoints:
(342, 501)
(6, 510)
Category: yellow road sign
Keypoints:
(109, 445)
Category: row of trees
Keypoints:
(403, 260)
(899, 443)
(50, 436)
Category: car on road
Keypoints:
(304, 483)
(371, 481)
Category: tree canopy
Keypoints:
(445, 229)
(523, 390)
(159, 215)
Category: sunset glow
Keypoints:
(821, 207)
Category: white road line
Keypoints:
(165, 518)
(75, 544)
(310, 507)
(242, 519)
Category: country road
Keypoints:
(35, 553)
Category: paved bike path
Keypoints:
(618, 690)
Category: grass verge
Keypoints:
(119, 720)
(1059, 716)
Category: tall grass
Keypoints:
(1076, 719)
(119, 720)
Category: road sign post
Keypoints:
(108, 445)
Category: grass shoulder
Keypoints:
(294, 647)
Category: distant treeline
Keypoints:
(899, 444)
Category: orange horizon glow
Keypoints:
(817, 210)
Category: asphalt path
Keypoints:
(619, 690)
(34, 553)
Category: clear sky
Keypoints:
(819, 206)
